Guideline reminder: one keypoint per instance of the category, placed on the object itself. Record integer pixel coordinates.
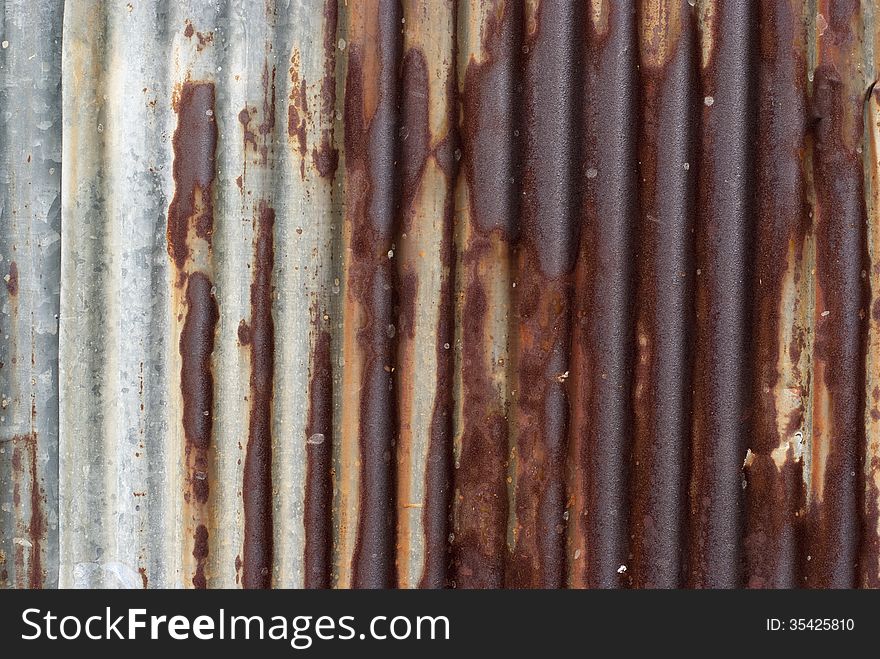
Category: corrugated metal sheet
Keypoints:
(479, 293)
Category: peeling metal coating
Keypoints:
(774, 469)
(466, 293)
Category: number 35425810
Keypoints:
(811, 624)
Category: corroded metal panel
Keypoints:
(466, 293)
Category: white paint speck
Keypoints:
(592, 173)
(341, 44)
(709, 101)
(621, 569)
(826, 313)
(315, 439)
(686, 166)
(5, 45)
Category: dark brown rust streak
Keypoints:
(600, 380)
(257, 485)
(664, 315)
(325, 155)
(200, 553)
(775, 495)
(491, 167)
(319, 462)
(833, 518)
(37, 527)
(319, 429)
(723, 301)
(372, 201)
(257, 550)
(12, 279)
(194, 143)
(197, 380)
(547, 252)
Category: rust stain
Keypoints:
(190, 230)
(12, 279)
(722, 367)
(257, 485)
(319, 449)
(429, 169)
(200, 554)
(490, 173)
(775, 491)
(599, 377)
(370, 113)
(28, 558)
(194, 143)
(258, 137)
(547, 249)
(834, 526)
(326, 155)
(298, 111)
(664, 294)
(197, 380)
(203, 39)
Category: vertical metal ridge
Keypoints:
(869, 558)
(370, 415)
(723, 290)
(775, 491)
(424, 257)
(312, 106)
(229, 46)
(30, 173)
(486, 224)
(196, 232)
(833, 517)
(546, 254)
(83, 185)
(261, 127)
(600, 377)
(666, 273)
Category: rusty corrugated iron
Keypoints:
(472, 293)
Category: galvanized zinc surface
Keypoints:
(473, 293)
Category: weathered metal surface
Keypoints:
(30, 217)
(466, 293)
